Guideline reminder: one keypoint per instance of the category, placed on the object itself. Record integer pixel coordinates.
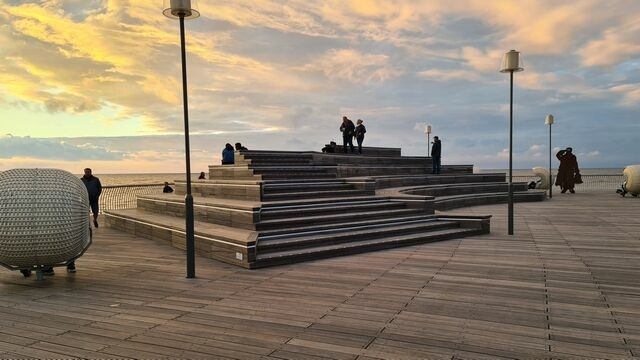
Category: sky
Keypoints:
(97, 83)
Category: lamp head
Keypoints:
(548, 120)
(427, 129)
(511, 62)
(177, 9)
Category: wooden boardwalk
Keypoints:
(565, 286)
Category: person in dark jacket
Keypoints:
(567, 170)
(202, 176)
(330, 149)
(167, 189)
(436, 152)
(94, 189)
(359, 133)
(227, 155)
(240, 147)
(347, 128)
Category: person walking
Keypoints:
(567, 171)
(94, 189)
(347, 128)
(359, 133)
(436, 152)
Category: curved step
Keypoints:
(341, 226)
(305, 254)
(274, 244)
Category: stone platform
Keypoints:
(277, 207)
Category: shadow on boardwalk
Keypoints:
(566, 285)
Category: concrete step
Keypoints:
(233, 213)
(297, 175)
(465, 188)
(318, 252)
(312, 193)
(333, 207)
(457, 201)
(331, 222)
(388, 181)
(229, 244)
(305, 186)
(269, 244)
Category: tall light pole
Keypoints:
(427, 130)
(549, 121)
(181, 9)
(510, 64)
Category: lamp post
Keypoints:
(549, 121)
(181, 9)
(427, 130)
(510, 64)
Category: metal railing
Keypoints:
(125, 196)
(595, 183)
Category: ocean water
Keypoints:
(137, 179)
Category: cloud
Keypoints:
(355, 67)
(616, 45)
(630, 94)
(52, 149)
(266, 71)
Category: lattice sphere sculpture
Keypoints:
(44, 218)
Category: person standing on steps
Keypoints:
(567, 171)
(359, 133)
(436, 152)
(347, 128)
(227, 154)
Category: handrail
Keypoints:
(117, 197)
(591, 183)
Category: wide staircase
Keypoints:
(272, 208)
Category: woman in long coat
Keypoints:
(567, 170)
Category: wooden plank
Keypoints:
(566, 285)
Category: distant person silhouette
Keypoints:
(347, 128)
(201, 177)
(359, 134)
(227, 155)
(94, 189)
(167, 189)
(240, 147)
(436, 154)
(331, 148)
(567, 171)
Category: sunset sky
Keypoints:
(97, 82)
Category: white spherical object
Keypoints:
(543, 174)
(632, 178)
(44, 218)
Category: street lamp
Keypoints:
(181, 9)
(510, 64)
(549, 121)
(427, 130)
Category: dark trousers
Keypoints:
(347, 140)
(360, 140)
(436, 165)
